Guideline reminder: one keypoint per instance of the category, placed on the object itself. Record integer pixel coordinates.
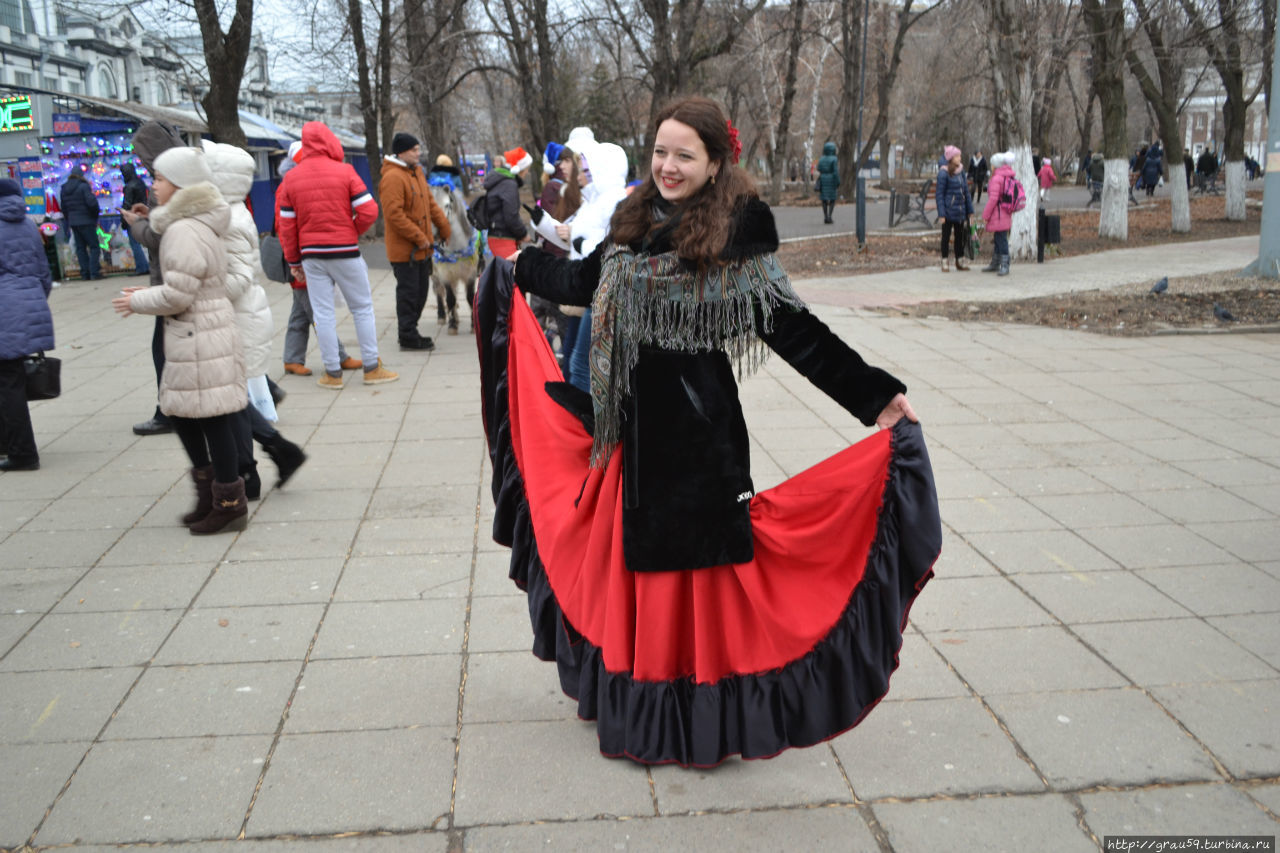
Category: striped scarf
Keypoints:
(653, 300)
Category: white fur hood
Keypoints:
(201, 202)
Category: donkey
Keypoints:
(457, 260)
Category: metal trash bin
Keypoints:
(1053, 230)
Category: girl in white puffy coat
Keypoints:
(233, 170)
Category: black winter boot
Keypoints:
(230, 510)
(203, 478)
(252, 482)
(287, 456)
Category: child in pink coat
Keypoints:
(997, 217)
(1047, 177)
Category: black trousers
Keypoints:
(251, 426)
(828, 208)
(413, 282)
(157, 358)
(962, 236)
(17, 439)
(210, 441)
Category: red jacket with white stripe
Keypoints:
(322, 206)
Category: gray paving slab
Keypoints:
(39, 550)
(797, 777)
(31, 776)
(1259, 633)
(1172, 651)
(258, 582)
(1247, 540)
(362, 629)
(376, 693)
(356, 781)
(294, 539)
(409, 842)
(936, 746)
(161, 546)
(1024, 660)
(996, 825)
(1218, 590)
(14, 626)
(205, 700)
(408, 577)
(1087, 738)
(1267, 795)
(242, 634)
(161, 790)
(966, 603)
(1154, 545)
(1040, 551)
(958, 559)
(507, 687)
(60, 705)
(1236, 721)
(562, 777)
(1100, 597)
(81, 640)
(1196, 809)
(829, 828)
(125, 588)
(27, 591)
(500, 624)
(922, 673)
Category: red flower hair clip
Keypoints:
(735, 144)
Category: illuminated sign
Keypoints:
(16, 114)
(66, 124)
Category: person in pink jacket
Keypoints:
(998, 216)
(1047, 177)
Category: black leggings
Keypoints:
(210, 441)
(961, 234)
(828, 208)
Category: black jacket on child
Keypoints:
(686, 457)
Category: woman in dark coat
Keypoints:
(26, 324)
(691, 617)
(80, 211)
(828, 180)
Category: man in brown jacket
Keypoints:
(409, 211)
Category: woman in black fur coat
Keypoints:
(724, 621)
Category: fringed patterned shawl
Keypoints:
(654, 300)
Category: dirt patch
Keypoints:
(1188, 305)
(1130, 310)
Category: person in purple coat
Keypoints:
(26, 324)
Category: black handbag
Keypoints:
(273, 263)
(44, 376)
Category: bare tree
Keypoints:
(1011, 47)
(225, 55)
(1104, 20)
(1223, 38)
(1162, 91)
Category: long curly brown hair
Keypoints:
(703, 230)
(571, 198)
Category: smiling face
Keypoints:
(681, 166)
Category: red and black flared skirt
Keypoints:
(692, 667)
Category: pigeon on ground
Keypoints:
(1161, 286)
(1222, 313)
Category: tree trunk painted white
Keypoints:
(1113, 220)
(1022, 234)
(1179, 202)
(1235, 190)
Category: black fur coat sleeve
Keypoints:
(560, 280)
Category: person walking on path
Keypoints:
(80, 211)
(828, 181)
(150, 140)
(1047, 177)
(996, 215)
(323, 207)
(1153, 168)
(978, 173)
(502, 200)
(26, 324)
(203, 387)
(232, 169)
(135, 192)
(410, 211)
(951, 194)
(301, 319)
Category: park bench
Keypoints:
(907, 200)
(1208, 184)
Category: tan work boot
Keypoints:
(379, 375)
(351, 363)
(333, 383)
(296, 369)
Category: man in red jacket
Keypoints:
(323, 207)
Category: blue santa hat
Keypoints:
(551, 156)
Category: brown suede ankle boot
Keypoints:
(203, 478)
(230, 509)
